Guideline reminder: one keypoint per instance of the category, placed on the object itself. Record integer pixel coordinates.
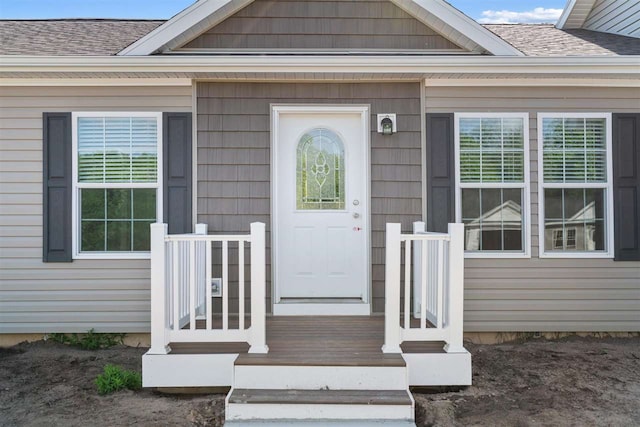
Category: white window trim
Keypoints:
(526, 201)
(608, 188)
(76, 186)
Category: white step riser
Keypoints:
(246, 411)
(439, 369)
(320, 377)
(187, 370)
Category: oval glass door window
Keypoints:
(320, 174)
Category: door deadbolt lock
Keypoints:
(356, 202)
(356, 215)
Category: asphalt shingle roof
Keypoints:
(71, 36)
(547, 40)
(60, 37)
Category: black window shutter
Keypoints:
(626, 186)
(177, 165)
(57, 187)
(440, 171)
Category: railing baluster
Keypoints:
(407, 283)
(168, 260)
(175, 260)
(424, 290)
(207, 284)
(433, 277)
(440, 288)
(225, 287)
(241, 285)
(192, 285)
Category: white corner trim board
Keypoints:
(206, 14)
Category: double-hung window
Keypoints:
(492, 183)
(575, 185)
(117, 183)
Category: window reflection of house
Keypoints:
(502, 221)
(579, 231)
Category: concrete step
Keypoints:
(320, 423)
(317, 405)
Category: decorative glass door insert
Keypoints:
(320, 171)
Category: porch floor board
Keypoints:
(315, 341)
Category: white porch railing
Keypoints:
(181, 294)
(433, 277)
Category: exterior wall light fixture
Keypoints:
(387, 124)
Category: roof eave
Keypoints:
(302, 63)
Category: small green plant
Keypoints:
(116, 378)
(89, 341)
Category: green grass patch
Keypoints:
(88, 341)
(116, 378)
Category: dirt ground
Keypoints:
(572, 381)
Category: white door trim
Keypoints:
(288, 308)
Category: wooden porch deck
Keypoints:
(318, 341)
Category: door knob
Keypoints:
(356, 215)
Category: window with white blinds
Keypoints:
(117, 192)
(492, 168)
(575, 184)
(491, 149)
(575, 149)
(117, 149)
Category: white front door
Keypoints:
(321, 210)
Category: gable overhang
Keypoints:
(575, 14)
(205, 14)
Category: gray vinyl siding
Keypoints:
(614, 16)
(319, 24)
(108, 295)
(545, 294)
(234, 157)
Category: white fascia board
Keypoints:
(89, 82)
(188, 19)
(562, 21)
(464, 25)
(320, 64)
(531, 82)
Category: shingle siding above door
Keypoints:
(234, 155)
(319, 24)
